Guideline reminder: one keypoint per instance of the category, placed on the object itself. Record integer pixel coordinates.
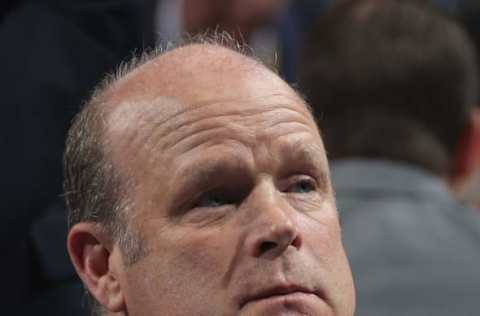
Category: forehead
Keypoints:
(195, 74)
(161, 119)
(167, 123)
(166, 137)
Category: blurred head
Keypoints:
(198, 185)
(391, 79)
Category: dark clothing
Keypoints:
(413, 249)
(293, 27)
(53, 53)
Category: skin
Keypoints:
(232, 196)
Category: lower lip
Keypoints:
(300, 303)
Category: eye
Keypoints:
(213, 200)
(304, 185)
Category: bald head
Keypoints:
(193, 74)
(211, 165)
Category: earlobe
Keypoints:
(92, 256)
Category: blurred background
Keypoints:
(54, 52)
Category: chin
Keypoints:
(288, 305)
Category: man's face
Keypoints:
(234, 202)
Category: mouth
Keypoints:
(277, 292)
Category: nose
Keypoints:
(273, 230)
(275, 240)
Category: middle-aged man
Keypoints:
(395, 83)
(198, 185)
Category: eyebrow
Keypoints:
(207, 174)
(204, 171)
(298, 152)
(307, 150)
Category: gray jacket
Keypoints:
(413, 249)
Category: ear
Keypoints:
(97, 264)
(468, 154)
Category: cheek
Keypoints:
(322, 229)
(322, 236)
(200, 253)
(188, 264)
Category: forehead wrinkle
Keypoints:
(285, 128)
(140, 126)
(258, 115)
(205, 138)
(190, 116)
(237, 124)
(181, 116)
(296, 146)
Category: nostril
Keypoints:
(266, 246)
(297, 242)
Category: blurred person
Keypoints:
(240, 18)
(252, 22)
(293, 26)
(53, 53)
(198, 185)
(393, 85)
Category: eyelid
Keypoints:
(189, 203)
(211, 195)
(228, 196)
(295, 179)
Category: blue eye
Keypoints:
(303, 186)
